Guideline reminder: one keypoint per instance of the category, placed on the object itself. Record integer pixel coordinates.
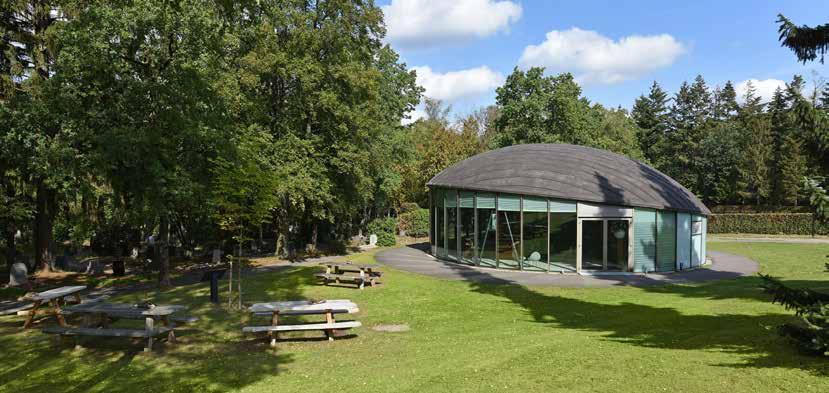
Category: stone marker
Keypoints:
(372, 240)
(18, 275)
(217, 256)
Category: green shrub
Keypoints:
(765, 223)
(385, 229)
(385, 239)
(406, 207)
(415, 222)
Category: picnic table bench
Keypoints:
(329, 308)
(336, 272)
(56, 298)
(97, 317)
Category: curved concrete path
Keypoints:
(414, 259)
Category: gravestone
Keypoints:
(18, 275)
(372, 240)
(94, 267)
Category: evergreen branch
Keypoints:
(803, 301)
(806, 42)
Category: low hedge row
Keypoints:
(765, 223)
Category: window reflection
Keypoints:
(563, 242)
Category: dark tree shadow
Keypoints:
(635, 324)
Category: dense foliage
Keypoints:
(385, 228)
(811, 331)
(205, 124)
(415, 223)
(766, 223)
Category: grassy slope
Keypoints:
(464, 337)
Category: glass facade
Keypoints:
(451, 198)
(487, 227)
(516, 232)
(466, 234)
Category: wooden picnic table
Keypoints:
(56, 299)
(336, 272)
(340, 268)
(98, 314)
(303, 307)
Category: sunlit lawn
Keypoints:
(714, 337)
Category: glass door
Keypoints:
(604, 244)
(617, 245)
(592, 245)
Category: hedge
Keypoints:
(415, 222)
(765, 223)
(385, 229)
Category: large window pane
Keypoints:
(432, 221)
(617, 244)
(440, 224)
(509, 231)
(467, 233)
(592, 245)
(563, 242)
(486, 229)
(535, 234)
(452, 224)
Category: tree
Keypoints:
(792, 169)
(807, 43)
(534, 108)
(148, 103)
(722, 152)
(725, 102)
(688, 125)
(755, 178)
(33, 127)
(651, 115)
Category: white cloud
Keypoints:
(454, 85)
(414, 115)
(594, 58)
(763, 88)
(419, 23)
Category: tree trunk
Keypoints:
(10, 252)
(43, 225)
(164, 252)
(315, 235)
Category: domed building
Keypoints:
(564, 208)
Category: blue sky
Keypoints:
(463, 49)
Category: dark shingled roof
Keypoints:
(570, 172)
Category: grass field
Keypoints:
(713, 337)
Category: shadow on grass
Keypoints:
(662, 327)
(211, 353)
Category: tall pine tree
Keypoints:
(651, 115)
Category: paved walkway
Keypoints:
(415, 259)
(770, 239)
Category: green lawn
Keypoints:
(715, 337)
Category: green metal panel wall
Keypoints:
(451, 198)
(562, 206)
(467, 199)
(485, 201)
(704, 238)
(665, 241)
(683, 240)
(644, 240)
(535, 204)
(510, 203)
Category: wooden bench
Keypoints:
(56, 298)
(97, 316)
(295, 308)
(360, 281)
(324, 326)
